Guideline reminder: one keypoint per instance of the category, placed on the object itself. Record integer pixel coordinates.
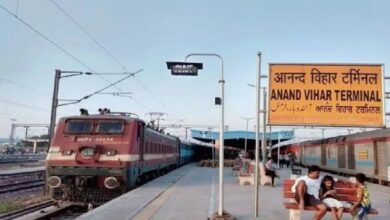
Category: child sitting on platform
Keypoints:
(328, 196)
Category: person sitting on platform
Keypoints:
(307, 188)
(270, 170)
(329, 197)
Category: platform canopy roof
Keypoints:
(237, 138)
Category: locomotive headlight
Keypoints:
(54, 181)
(111, 152)
(111, 182)
(67, 152)
(87, 152)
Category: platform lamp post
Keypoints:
(264, 111)
(263, 145)
(221, 131)
(179, 68)
(246, 132)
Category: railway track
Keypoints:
(46, 210)
(20, 181)
(13, 176)
(21, 186)
(27, 210)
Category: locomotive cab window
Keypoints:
(78, 127)
(110, 127)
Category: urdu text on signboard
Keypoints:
(326, 95)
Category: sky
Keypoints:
(146, 34)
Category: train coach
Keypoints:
(95, 158)
(366, 152)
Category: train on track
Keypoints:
(366, 152)
(95, 158)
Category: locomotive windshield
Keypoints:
(78, 127)
(110, 127)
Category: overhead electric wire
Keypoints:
(92, 38)
(52, 42)
(21, 116)
(59, 47)
(23, 105)
(102, 47)
(148, 90)
(24, 86)
(139, 103)
(17, 7)
(112, 84)
(89, 35)
(46, 38)
(102, 89)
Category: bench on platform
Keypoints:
(246, 175)
(346, 191)
(264, 179)
(241, 168)
(296, 171)
(237, 163)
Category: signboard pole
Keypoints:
(257, 149)
(258, 84)
(279, 149)
(263, 140)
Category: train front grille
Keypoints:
(94, 196)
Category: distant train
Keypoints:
(94, 158)
(366, 152)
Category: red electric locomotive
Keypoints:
(94, 158)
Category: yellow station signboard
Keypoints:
(326, 95)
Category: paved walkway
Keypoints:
(192, 193)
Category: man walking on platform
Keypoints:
(281, 160)
(287, 160)
(291, 157)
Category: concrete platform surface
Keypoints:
(191, 192)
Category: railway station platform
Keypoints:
(191, 192)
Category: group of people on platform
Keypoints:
(314, 190)
(287, 159)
